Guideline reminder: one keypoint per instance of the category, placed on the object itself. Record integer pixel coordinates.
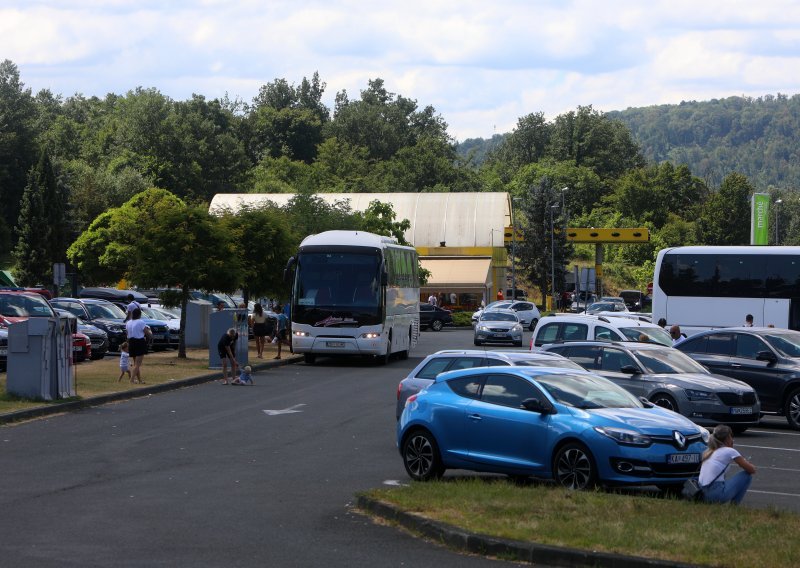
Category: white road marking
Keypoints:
(774, 432)
(395, 483)
(290, 410)
(778, 468)
(774, 493)
(768, 448)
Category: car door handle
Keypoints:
(736, 366)
(474, 417)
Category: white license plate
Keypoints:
(499, 335)
(741, 410)
(683, 458)
(77, 348)
(158, 336)
(335, 343)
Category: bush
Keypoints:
(462, 318)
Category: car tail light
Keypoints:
(411, 399)
(399, 385)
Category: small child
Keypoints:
(245, 377)
(124, 358)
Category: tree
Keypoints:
(725, 215)
(379, 218)
(32, 255)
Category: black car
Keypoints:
(100, 314)
(433, 317)
(766, 358)
(113, 295)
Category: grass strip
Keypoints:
(637, 525)
(94, 378)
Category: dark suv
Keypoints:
(433, 317)
(766, 358)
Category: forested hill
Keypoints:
(759, 138)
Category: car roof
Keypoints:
(85, 300)
(630, 345)
(620, 319)
(755, 329)
(531, 372)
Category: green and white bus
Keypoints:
(353, 293)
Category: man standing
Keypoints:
(432, 299)
(748, 320)
(132, 305)
(281, 327)
(676, 335)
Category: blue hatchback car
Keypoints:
(575, 427)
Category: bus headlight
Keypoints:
(370, 335)
(300, 333)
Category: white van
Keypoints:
(580, 327)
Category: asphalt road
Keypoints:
(219, 475)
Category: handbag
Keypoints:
(693, 491)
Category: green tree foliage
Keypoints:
(726, 214)
(32, 254)
(379, 218)
(18, 151)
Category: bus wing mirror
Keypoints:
(287, 272)
(384, 278)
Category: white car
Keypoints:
(498, 325)
(581, 327)
(527, 312)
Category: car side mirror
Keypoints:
(645, 402)
(536, 405)
(629, 370)
(768, 356)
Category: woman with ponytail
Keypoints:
(716, 459)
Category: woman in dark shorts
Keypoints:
(226, 348)
(138, 334)
(260, 328)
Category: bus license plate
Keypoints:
(335, 343)
(741, 410)
(683, 458)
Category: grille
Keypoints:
(672, 442)
(734, 399)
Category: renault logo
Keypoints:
(680, 439)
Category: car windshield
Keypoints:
(645, 334)
(668, 361)
(601, 307)
(105, 310)
(498, 316)
(587, 391)
(151, 313)
(24, 306)
(164, 314)
(785, 342)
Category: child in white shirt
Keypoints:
(124, 359)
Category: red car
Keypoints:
(81, 347)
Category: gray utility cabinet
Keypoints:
(197, 312)
(220, 322)
(40, 359)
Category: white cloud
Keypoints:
(481, 65)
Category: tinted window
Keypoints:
(468, 387)
(693, 345)
(585, 356)
(574, 332)
(508, 390)
(749, 345)
(547, 334)
(434, 367)
(786, 342)
(425, 308)
(601, 332)
(523, 307)
(668, 361)
(497, 363)
(720, 344)
(466, 363)
(614, 359)
(783, 276)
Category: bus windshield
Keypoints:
(337, 289)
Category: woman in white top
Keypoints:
(716, 459)
(138, 334)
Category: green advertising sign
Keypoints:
(759, 219)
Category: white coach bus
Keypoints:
(353, 293)
(705, 287)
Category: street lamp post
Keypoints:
(513, 251)
(552, 257)
(777, 219)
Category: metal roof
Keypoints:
(472, 219)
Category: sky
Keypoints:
(481, 65)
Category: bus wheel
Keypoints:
(309, 358)
(384, 359)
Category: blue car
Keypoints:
(575, 427)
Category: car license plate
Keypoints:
(499, 335)
(683, 458)
(77, 348)
(741, 410)
(3, 352)
(158, 336)
(335, 343)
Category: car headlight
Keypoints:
(300, 333)
(483, 328)
(705, 435)
(115, 328)
(517, 327)
(624, 437)
(370, 335)
(693, 394)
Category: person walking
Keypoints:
(139, 335)
(124, 361)
(132, 305)
(258, 321)
(432, 300)
(280, 331)
(716, 459)
(226, 348)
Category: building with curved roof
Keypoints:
(459, 236)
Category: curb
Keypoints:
(59, 408)
(514, 550)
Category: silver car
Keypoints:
(450, 360)
(498, 326)
(668, 378)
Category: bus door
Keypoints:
(781, 312)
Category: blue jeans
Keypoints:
(731, 490)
